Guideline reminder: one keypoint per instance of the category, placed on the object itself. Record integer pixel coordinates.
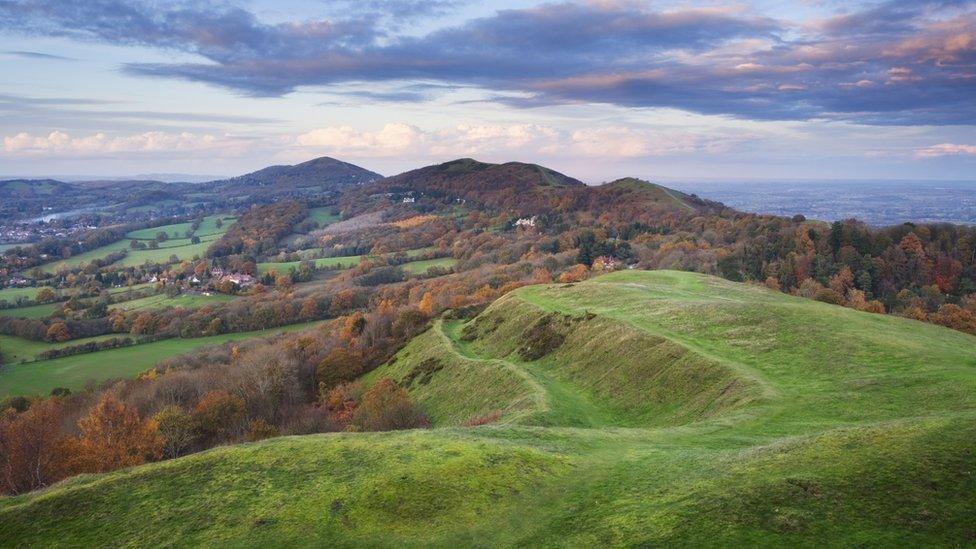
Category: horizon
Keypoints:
(598, 90)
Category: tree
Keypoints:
(219, 415)
(260, 429)
(386, 407)
(576, 273)
(114, 436)
(426, 304)
(177, 429)
(32, 450)
(58, 331)
(44, 295)
(309, 309)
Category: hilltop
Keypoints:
(654, 408)
(324, 173)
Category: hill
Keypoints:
(308, 178)
(637, 408)
(467, 174)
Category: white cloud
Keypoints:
(945, 149)
(489, 140)
(59, 143)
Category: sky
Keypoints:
(597, 89)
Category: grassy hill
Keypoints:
(637, 408)
(73, 372)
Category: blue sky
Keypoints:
(599, 89)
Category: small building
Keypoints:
(238, 279)
(526, 222)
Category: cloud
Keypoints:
(946, 149)
(37, 55)
(504, 141)
(892, 62)
(58, 143)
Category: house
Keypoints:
(606, 263)
(409, 200)
(238, 279)
(526, 222)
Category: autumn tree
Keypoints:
(44, 295)
(32, 449)
(58, 331)
(386, 407)
(219, 415)
(177, 428)
(426, 305)
(114, 436)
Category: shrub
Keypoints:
(386, 407)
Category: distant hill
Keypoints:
(467, 174)
(323, 173)
(638, 408)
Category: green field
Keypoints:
(74, 371)
(344, 262)
(160, 301)
(178, 230)
(421, 267)
(323, 216)
(32, 311)
(11, 294)
(634, 409)
(15, 349)
(181, 247)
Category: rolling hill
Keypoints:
(637, 408)
(309, 178)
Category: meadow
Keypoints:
(177, 245)
(637, 408)
(159, 301)
(38, 378)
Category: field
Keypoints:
(11, 294)
(74, 371)
(634, 409)
(421, 267)
(15, 349)
(177, 245)
(323, 216)
(43, 310)
(160, 301)
(343, 262)
(178, 230)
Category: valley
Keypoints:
(645, 421)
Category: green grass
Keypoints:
(421, 267)
(159, 301)
(343, 262)
(181, 247)
(323, 216)
(178, 230)
(74, 371)
(673, 409)
(43, 310)
(15, 349)
(11, 294)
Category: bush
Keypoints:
(386, 407)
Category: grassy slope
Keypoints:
(160, 301)
(421, 267)
(43, 310)
(13, 349)
(345, 261)
(177, 245)
(74, 371)
(178, 230)
(687, 411)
